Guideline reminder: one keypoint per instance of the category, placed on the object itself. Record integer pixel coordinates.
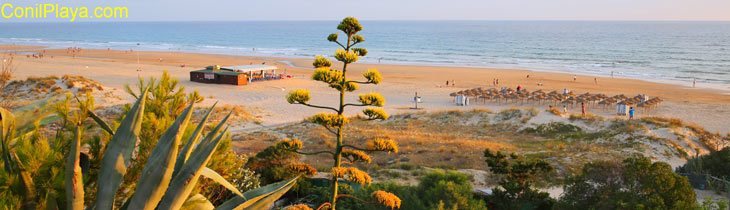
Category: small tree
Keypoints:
(335, 121)
(518, 175)
(635, 183)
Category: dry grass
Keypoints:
(555, 111)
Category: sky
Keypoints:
(233, 10)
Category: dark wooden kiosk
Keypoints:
(235, 75)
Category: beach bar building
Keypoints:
(235, 75)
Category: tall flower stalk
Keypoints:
(333, 118)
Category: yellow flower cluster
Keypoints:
(298, 207)
(302, 168)
(351, 174)
(346, 57)
(298, 96)
(373, 76)
(383, 145)
(327, 75)
(372, 99)
(329, 119)
(290, 144)
(321, 61)
(375, 113)
(386, 199)
(357, 39)
(356, 155)
(349, 25)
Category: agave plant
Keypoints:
(15, 126)
(167, 179)
(170, 174)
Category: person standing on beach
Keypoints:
(583, 109)
(565, 109)
(494, 82)
(611, 74)
(694, 82)
(595, 79)
(447, 83)
(453, 83)
(497, 81)
(575, 78)
(631, 113)
(519, 88)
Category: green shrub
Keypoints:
(518, 175)
(635, 183)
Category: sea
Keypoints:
(679, 51)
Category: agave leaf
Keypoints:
(261, 198)
(118, 153)
(73, 176)
(101, 122)
(211, 174)
(29, 201)
(26, 117)
(185, 152)
(6, 133)
(198, 202)
(156, 175)
(208, 138)
(182, 184)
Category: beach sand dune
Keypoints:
(706, 107)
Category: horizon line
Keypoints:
(415, 20)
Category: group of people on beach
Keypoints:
(453, 83)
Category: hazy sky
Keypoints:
(167, 10)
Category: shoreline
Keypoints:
(113, 69)
(725, 88)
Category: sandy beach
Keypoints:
(707, 107)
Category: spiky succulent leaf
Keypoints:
(198, 202)
(182, 184)
(188, 148)
(211, 174)
(300, 96)
(261, 198)
(29, 199)
(26, 117)
(118, 153)
(157, 172)
(372, 99)
(321, 61)
(101, 122)
(73, 177)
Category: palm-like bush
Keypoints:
(334, 120)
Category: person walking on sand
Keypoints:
(565, 109)
(583, 109)
(447, 83)
(575, 78)
(631, 113)
(497, 81)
